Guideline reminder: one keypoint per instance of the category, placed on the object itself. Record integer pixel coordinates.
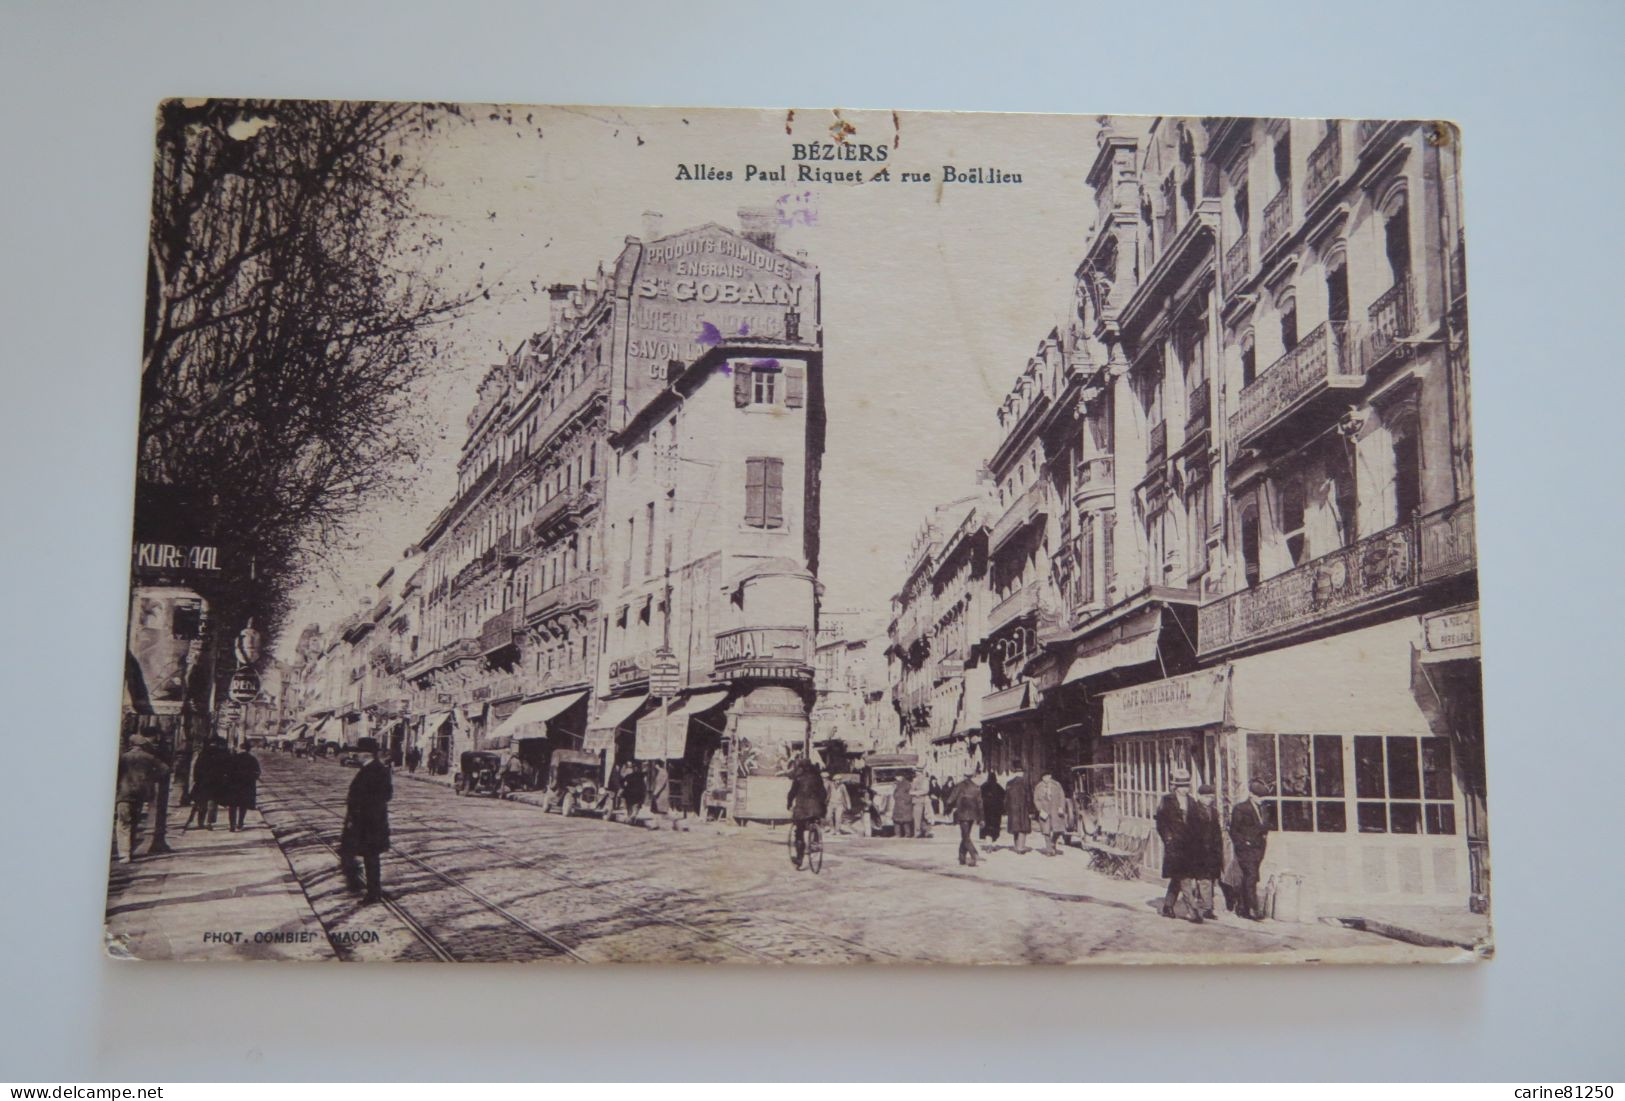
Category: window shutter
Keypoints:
(774, 493)
(795, 385)
(741, 385)
(755, 492)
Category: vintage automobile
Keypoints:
(881, 771)
(479, 772)
(578, 783)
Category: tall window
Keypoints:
(1249, 545)
(631, 542)
(1240, 205)
(1249, 362)
(1407, 470)
(1397, 241)
(1403, 785)
(649, 540)
(1283, 162)
(1292, 512)
(1289, 327)
(1196, 509)
(764, 386)
(1306, 775)
(764, 492)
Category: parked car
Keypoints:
(577, 783)
(479, 772)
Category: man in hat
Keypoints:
(1249, 834)
(965, 806)
(366, 821)
(1173, 827)
(1204, 851)
(139, 771)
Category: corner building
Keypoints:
(712, 504)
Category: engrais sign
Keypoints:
(694, 290)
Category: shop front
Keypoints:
(610, 733)
(1365, 804)
(683, 734)
(1448, 684)
(767, 731)
(537, 728)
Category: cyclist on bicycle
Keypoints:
(806, 803)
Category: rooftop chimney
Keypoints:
(757, 225)
(652, 220)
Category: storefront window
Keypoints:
(1403, 785)
(1306, 774)
(1145, 766)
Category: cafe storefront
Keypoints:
(1365, 805)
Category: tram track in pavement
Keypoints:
(509, 857)
(439, 944)
(730, 941)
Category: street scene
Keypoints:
(524, 571)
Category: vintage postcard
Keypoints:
(594, 534)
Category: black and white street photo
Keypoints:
(594, 534)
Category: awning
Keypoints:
(1006, 702)
(321, 728)
(295, 732)
(601, 729)
(436, 720)
(1133, 642)
(663, 733)
(530, 720)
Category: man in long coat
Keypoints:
(1049, 800)
(920, 792)
(902, 807)
(1018, 808)
(366, 821)
(139, 773)
(992, 808)
(1204, 851)
(1173, 823)
(208, 781)
(965, 805)
(806, 803)
(1249, 835)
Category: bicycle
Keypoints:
(813, 838)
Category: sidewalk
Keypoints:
(218, 896)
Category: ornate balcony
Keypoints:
(1392, 319)
(1024, 510)
(565, 509)
(1309, 377)
(1096, 478)
(1021, 602)
(1156, 450)
(1446, 542)
(1325, 166)
(1238, 264)
(1330, 587)
(497, 633)
(1277, 219)
(1198, 410)
(578, 592)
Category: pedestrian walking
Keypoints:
(965, 805)
(183, 770)
(1019, 809)
(839, 804)
(920, 796)
(1173, 827)
(634, 790)
(208, 776)
(613, 785)
(1049, 800)
(805, 802)
(1204, 851)
(902, 806)
(239, 791)
(139, 772)
(366, 822)
(1249, 836)
(660, 803)
(414, 757)
(992, 808)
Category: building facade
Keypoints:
(1233, 524)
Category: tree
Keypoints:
(291, 310)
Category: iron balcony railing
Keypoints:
(1238, 259)
(1198, 409)
(1025, 509)
(1021, 602)
(1345, 581)
(1277, 219)
(1156, 451)
(1319, 360)
(1325, 165)
(1392, 320)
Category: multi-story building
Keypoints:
(852, 714)
(507, 603)
(711, 499)
(1234, 504)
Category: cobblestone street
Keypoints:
(481, 879)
